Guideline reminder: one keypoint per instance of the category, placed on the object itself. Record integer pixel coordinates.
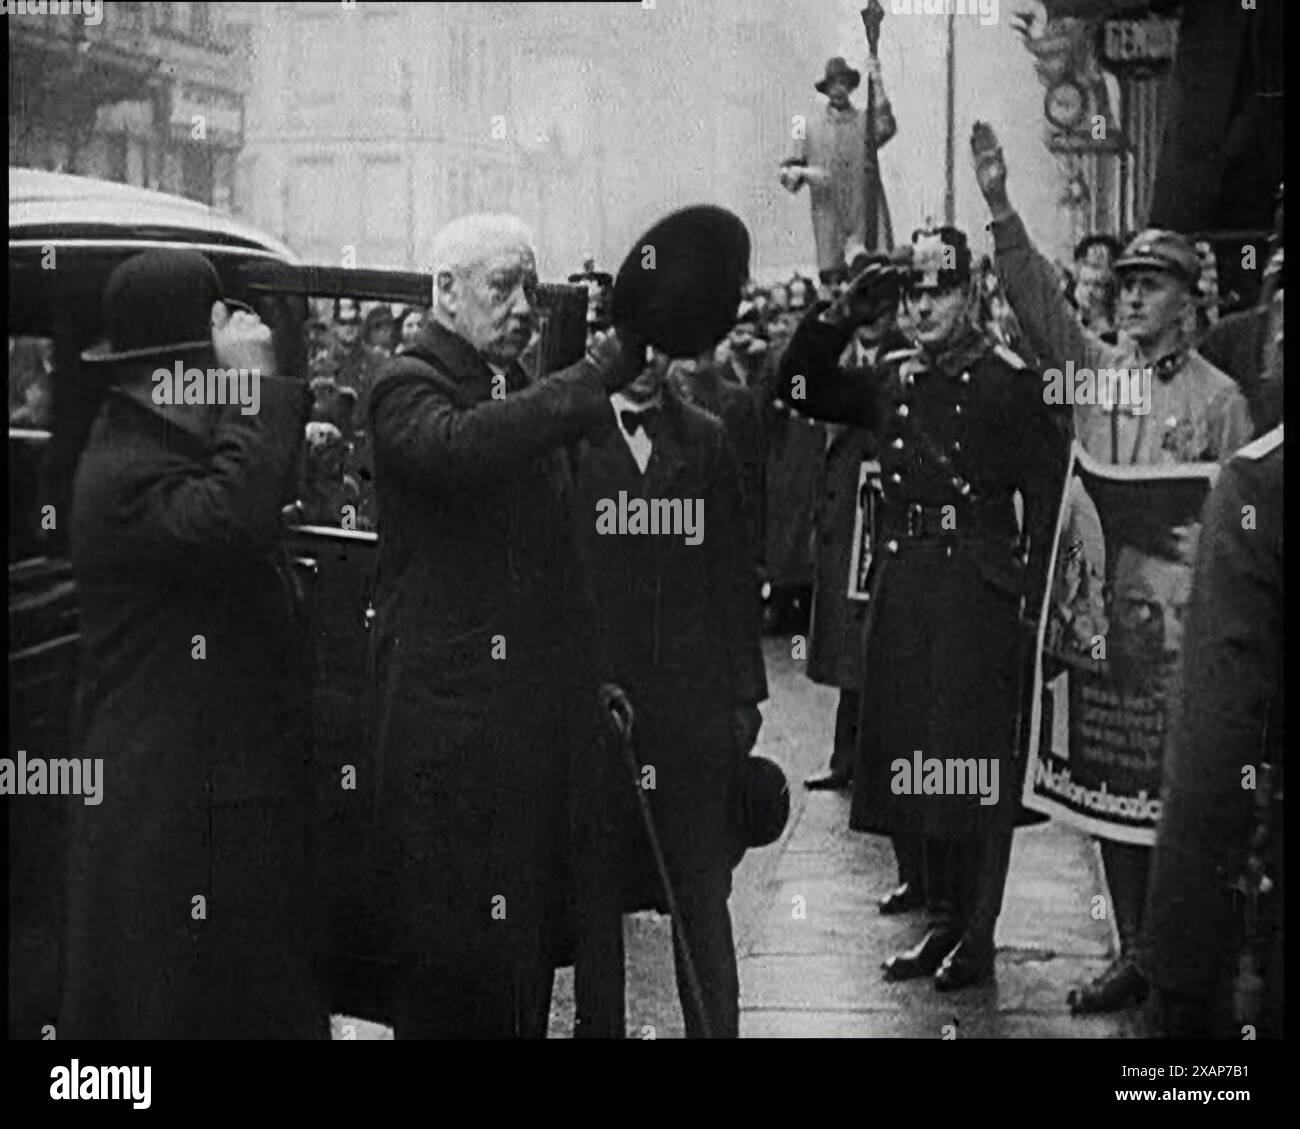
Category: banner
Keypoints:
(1108, 643)
(864, 530)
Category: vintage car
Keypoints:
(66, 234)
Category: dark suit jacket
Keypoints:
(679, 622)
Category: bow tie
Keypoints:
(643, 419)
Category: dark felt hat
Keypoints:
(157, 303)
(761, 802)
(838, 68)
(680, 286)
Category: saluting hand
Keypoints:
(241, 341)
(990, 166)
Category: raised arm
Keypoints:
(422, 432)
(811, 381)
(1030, 281)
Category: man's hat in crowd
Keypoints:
(940, 258)
(1162, 250)
(157, 303)
(761, 803)
(680, 285)
(837, 68)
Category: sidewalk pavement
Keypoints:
(819, 975)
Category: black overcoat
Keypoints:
(945, 640)
(205, 751)
(680, 625)
(485, 660)
(1229, 712)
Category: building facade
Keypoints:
(145, 94)
(371, 125)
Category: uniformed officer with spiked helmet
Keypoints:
(959, 571)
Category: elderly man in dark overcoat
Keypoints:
(485, 662)
(187, 887)
(962, 428)
(678, 610)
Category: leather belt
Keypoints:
(917, 522)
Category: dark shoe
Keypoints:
(1121, 985)
(902, 899)
(828, 782)
(964, 967)
(922, 959)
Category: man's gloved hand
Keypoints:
(746, 721)
(241, 341)
(867, 296)
(619, 359)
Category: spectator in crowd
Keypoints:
(410, 324)
(1094, 284)
(1237, 343)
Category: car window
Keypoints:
(348, 341)
(31, 382)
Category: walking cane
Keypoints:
(624, 727)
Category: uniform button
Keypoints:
(892, 546)
(896, 478)
(956, 448)
(909, 380)
(965, 378)
(897, 444)
(957, 409)
(902, 410)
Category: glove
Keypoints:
(619, 359)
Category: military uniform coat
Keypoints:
(680, 627)
(1229, 713)
(205, 753)
(485, 664)
(946, 636)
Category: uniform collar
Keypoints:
(956, 358)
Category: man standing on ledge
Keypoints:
(831, 157)
(486, 667)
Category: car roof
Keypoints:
(58, 206)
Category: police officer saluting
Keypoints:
(958, 576)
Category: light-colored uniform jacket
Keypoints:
(1197, 414)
